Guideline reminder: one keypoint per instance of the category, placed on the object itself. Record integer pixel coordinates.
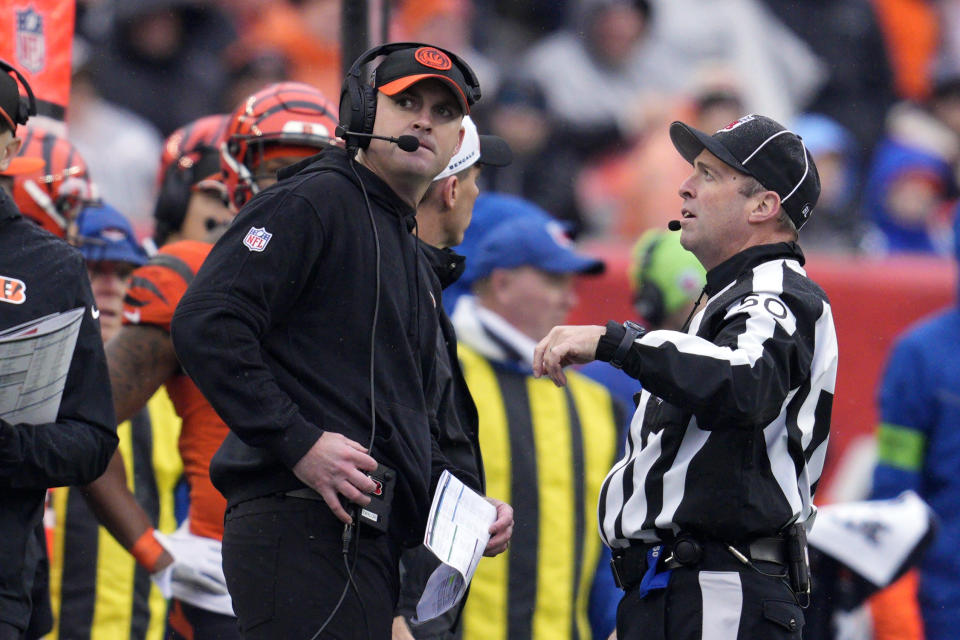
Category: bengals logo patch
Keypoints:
(12, 290)
(433, 58)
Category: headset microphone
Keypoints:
(673, 225)
(407, 143)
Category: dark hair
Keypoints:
(5, 126)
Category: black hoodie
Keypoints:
(276, 331)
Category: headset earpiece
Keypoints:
(648, 301)
(26, 107)
(358, 108)
(172, 201)
(23, 111)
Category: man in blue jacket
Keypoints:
(919, 447)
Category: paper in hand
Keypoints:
(458, 530)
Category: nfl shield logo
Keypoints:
(257, 239)
(31, 43)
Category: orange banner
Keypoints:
(36, 37)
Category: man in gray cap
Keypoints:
(706, 512)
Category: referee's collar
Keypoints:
(729, 270)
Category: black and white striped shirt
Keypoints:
(731, 429)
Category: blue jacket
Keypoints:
(919, 449)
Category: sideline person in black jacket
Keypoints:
(42, 275)
(443, 216)
(315, 297)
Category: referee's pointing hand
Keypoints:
(563, 346)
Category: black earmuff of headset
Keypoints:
(172, 200)
(648, 301)
(358, 100)
(26, 107)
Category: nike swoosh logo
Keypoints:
(94, 312)
(132, 316)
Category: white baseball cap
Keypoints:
(490, 150)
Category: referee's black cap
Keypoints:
(763, 148)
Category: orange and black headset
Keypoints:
(358, 99)
(26, 107)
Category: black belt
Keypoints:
(629, 564)
(306, 493)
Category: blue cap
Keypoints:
(105, 234)
(531, 242)
(491, 210)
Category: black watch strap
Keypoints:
(632, 331)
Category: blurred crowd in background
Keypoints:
(583, 90)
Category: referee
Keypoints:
(706, 512)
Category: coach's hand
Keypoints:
(401, 631)
(335, 465)
(564, 346)
(501, 530)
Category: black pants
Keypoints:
(285, 570)
(187, 622)
(416, 566)
(719, 600)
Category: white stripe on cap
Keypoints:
(806, 162)
(806, 169)
(762, 145)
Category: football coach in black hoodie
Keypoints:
(313, 309)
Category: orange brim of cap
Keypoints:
(22, 165)
(400, 84)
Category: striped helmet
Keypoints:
(190, 155)
(55, 193)
(283, 118)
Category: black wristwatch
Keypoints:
(633, 331)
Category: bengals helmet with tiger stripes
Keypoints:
(285, 118)
(191, 155)
(53, 194)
